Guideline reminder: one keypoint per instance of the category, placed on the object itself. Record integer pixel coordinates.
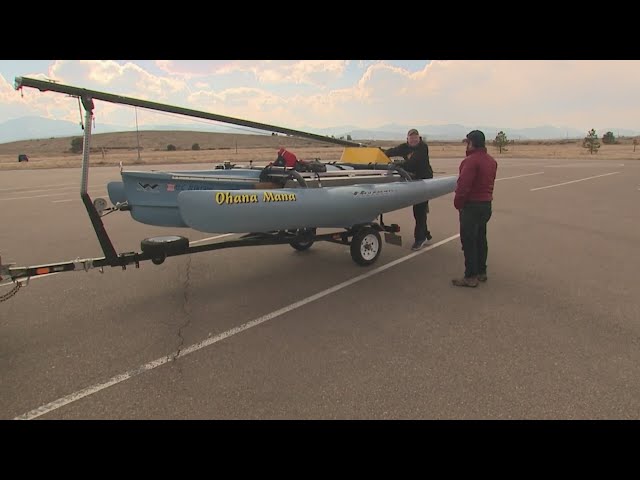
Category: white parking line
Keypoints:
(61, 402)
(573, 181)
(35, 196)
(77, 196)
(210, 238)
(91, 187)
(585, 165)
(519, 176)
(17, 189)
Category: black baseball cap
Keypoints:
(413, 131)
(476, 138)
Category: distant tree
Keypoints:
(635, 142)
(501, 141)
(608, 138)
(77, 143)
(349, 137)
(591, 141)
(195, 146)
(171, 148)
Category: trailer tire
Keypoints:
(158, 248)
(366, 246)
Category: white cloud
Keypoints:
(311, 72)
(504, 94)
(106, 76)
(16, 104)
(128, 79)
(188, 69)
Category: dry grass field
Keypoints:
(113, 148)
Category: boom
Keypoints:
(44, 86)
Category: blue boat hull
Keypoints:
(152, 196)
(241, 211)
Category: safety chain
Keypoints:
(10, 293)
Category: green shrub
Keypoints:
(77, 143)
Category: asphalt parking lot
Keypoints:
(271, 333)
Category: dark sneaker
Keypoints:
(482, 277)
(418, 244)
(429, 237)
(465, 282)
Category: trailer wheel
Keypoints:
(159, 247)
(304, 245)
(366, 246)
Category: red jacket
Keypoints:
(476, 179)
(287, 159)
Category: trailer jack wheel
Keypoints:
(158, 260)
(158, 248)
(366, 246)
(302, 245)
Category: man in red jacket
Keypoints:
(473, 197)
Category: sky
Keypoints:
(308, 94)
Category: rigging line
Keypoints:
(80, 110)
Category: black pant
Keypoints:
(473, 233)
(420, 211)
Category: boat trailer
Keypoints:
(364, 240)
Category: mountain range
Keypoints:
(30, 128)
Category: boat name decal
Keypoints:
(179, 187)
(228, 198)
(369, 193)
(278, 197)
(210, 179)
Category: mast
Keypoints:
(83, 93)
